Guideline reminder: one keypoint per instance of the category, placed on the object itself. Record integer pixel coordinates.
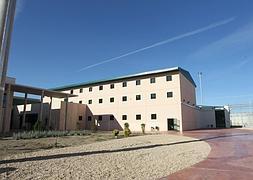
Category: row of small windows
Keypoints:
(124, 98)
(124, 117)
(138, 117)
(124, 84)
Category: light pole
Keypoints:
(200, 87)
(7, 13)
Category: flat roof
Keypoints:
(155, 72)
(21, 100)
(39, 91)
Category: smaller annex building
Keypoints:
(163, 100)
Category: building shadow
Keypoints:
(58, 156)
(7, 170)
(103, 122)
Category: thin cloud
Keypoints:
(229, 97)
(237, 41)
(191, 33)
(20, 5)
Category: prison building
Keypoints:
(162, 100)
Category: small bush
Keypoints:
(115, 132)
(38, 126)
(127, 131)
(143, 128)
(126, 125)
(157, 128)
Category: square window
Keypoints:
(89, 118)
(90, 89)
(153, 116)
(80, 118)
(124, 98)
(71, 91)
(100, 118)
(138, 117)
(111, 99)
(152, 80)
(80, 102)
(124, 84)
(100, 88)
(81, 90)
(138, 97)
(100, 101)
(169, 78)
(111, 117)
(112, 86)
(90, 101)
(138, 82)
(124, 117)
(153, 96)
(170, 94)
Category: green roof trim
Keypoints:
(91, 83)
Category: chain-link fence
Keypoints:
(241, 115)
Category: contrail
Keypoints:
(191, 33)
(226, 97)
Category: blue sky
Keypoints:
(53, 40)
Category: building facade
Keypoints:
(159, 99)
(163, 100)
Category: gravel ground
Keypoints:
(143, 157)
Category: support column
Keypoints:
(8, 109)
(41, 107)
(50, 112)
(24, 112)
(66, 113)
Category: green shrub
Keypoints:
(143, 128)
(38, 126)
(115, 132)
(126, 125)
(127, 131)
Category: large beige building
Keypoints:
(163, 99)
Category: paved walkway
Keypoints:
(231, 156)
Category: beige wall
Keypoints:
(206, 118)
(189, 116)
(73, 113)
(188, 103)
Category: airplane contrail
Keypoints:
(181, 36)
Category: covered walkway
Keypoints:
(11, 88)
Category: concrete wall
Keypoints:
(206, 118)
(73, 113)
(227, 117)
(189, 116)
(188, 103)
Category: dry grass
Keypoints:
(8, 146)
